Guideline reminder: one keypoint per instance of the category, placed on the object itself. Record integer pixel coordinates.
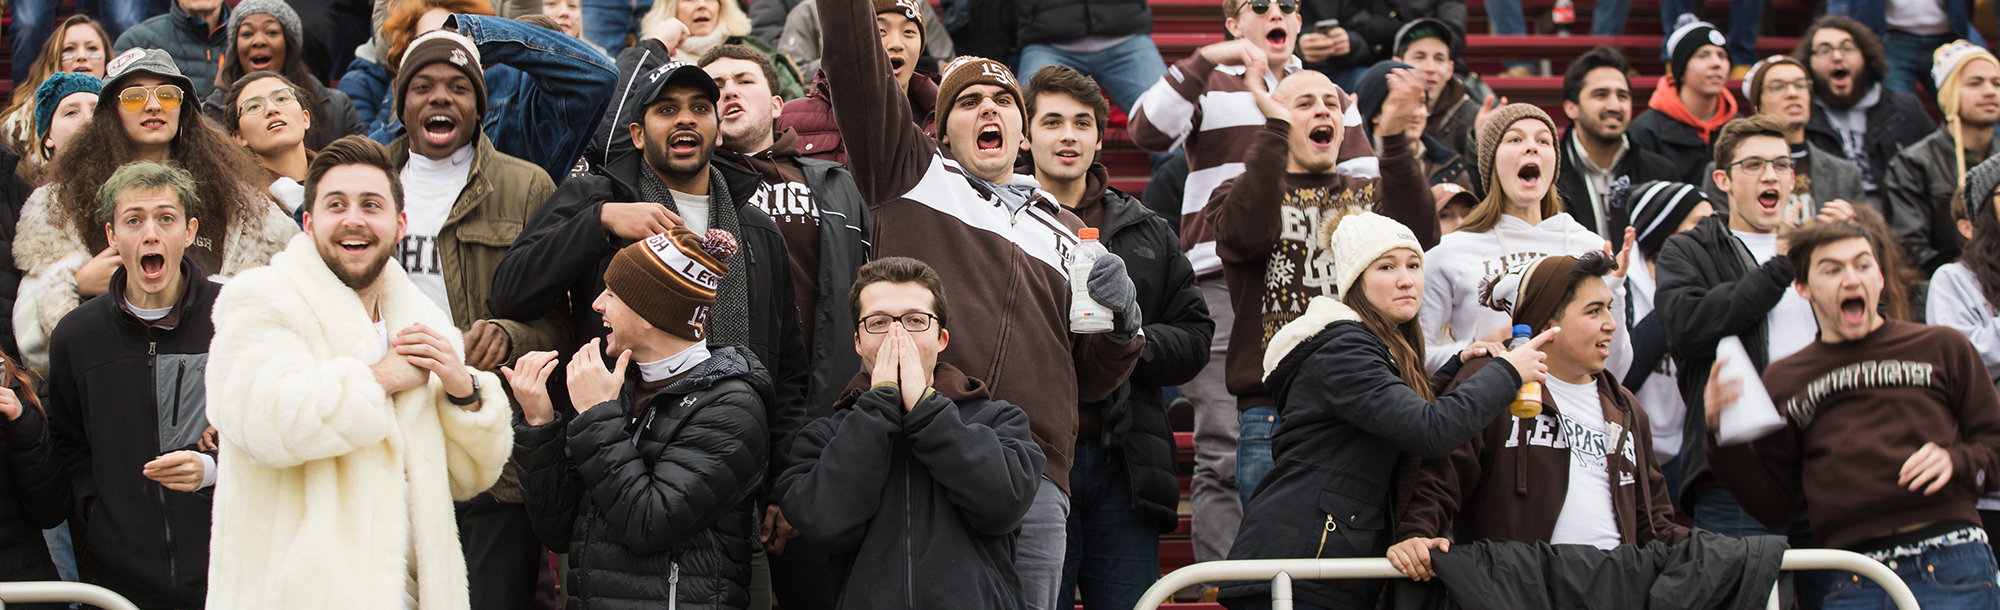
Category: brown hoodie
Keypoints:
(1510, 482)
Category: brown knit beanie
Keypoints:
(908, 8)
(441, 46)
(670, 279)
(967, 71)
(1489, 138)
(1539, 297)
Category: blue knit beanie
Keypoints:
(56, 87)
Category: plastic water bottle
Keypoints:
(1528, 403)
(1564, 17)
(1085, 315)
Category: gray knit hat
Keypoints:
(1979, 184)
(277, 9)
(1489, 138)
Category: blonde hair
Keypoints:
(1948, 100)
(730, 18)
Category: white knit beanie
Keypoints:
(1357, 239)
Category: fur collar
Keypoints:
(1320, 311)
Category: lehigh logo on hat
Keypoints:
(655, 75)
(125, 59)
(458, 57)
(1715, 38)
(679, 263)
(909, 8)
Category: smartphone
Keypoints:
(1325, 25)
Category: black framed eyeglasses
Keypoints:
(915, 321)
(1755, 165)
(1264, 6)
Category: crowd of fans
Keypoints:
(440, 304)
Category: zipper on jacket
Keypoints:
(179, 375)
(166, 523)
(909, 571)
(1330, 526)
(674, 586)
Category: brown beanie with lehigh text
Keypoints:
(967, 71)
(670, 279)
(907, 8)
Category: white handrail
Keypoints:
(1283, 571)
(62, 592)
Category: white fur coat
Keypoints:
(310, 507)
(49, 251)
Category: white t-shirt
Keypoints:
(693, 210)
(149, 315)
(1587, 516)
(1791, 325)
(430, 189)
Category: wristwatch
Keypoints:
(469, 400)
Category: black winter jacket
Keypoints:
(1918, 190)
(1371, 30)
(1676, 142)
(14, 193)
(122, 392)
(1178, 330)
(560, 257)
(1638, 164)
(1897, 121)
(1710, 288)
(31, 473)
(843, 249)
(1706, 571)
(1060, 21)
(1347, 424)
(653, 502)
(917, 509)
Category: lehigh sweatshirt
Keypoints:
(1856, 412)
(1462, 263)
(1267, 228)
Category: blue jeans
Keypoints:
(1253, 449)
(1608, 19)
(1910, 60)
(1717, 511)
(1125, 70)
(1869, 12)
(606, 23)
(1741, 30)
(1113, 550)
(35, 21)
(1957, 577)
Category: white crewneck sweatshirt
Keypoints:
(1463, 262)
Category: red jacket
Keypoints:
(812, 116)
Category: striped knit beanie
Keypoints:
(670, 279)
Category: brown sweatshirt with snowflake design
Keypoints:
(1266, 224)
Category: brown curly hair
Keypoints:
(101, 147)
(400, 27)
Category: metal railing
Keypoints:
(62, 592)
(1281, 573)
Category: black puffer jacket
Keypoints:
(560, 257)
(1349, 422)
(1060, 21)
(1178, 329)
(917, 508)
(1710, 288)
(653, 502)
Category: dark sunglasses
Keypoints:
(1284, 6)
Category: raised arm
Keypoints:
(1244, 211)
(886, 149)
(1361, 388)
(574, 83)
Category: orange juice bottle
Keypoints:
(1528, 403)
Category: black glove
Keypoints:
(1112, 288)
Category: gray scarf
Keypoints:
(1015, 193)
(729, 320)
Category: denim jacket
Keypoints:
(544, 91)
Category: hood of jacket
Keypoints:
(1320, 311)
(945, 378)
(1667, 99)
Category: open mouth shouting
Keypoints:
(258, 60)
(1854, 310)
(1840, 79)
(1530, 175)
(989, 138)
(684, 143)
(153, 266)
(1769, 200)
(732, 110)
(1321, 136)
(1603, 347)
(439, 129)
(896, 64)
(1278, 39)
